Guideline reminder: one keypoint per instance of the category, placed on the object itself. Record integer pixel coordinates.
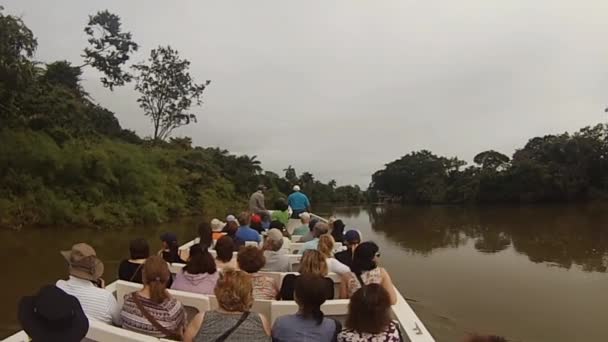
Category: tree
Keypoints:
(64, 74)
(17, 46)
(290, 174)
(492, 160)
(167, 90)
(109, 48)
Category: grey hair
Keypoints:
(274, 245)
(320, 229)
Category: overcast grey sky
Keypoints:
(340, 88)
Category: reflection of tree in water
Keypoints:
(560, 235)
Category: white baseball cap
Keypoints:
(296, 188)
(304, 215)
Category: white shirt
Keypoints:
(98, 304)
(335, 266)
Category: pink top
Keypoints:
(369, 277)
(202, 283)
(264, 287)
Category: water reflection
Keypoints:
(557, 235)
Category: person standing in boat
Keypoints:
(298, 202)
(256, 201)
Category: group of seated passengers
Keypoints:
(236, 284)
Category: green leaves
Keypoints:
(167, 91)
(109, 49)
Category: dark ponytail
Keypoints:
(363, 259)
(310, 291)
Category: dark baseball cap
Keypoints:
(352, 236)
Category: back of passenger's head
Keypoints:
(155, 275)
(262, 187)
(231, 227)
(281, 204)
(200, 262)
(274, 240)
(312, 223)
(278, 225)
(320, 229)
(369, 310)
(224, 248)
(305, 218)
(364, 257)
(352, 238)
(244, 218)
(310, 292)
(139, 249)
(337, 230)
(313, 262)
(250, 259)
(326, 245)
(234, 291)
(205, 235)
(256, 222)
(484, 338)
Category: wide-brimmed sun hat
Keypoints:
(217, 225)
(83, 262)
(52, 316)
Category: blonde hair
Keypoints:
(155, 275)
(313, 262)
(234, 290)
(326, 245)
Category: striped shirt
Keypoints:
(98, 304)
(170, 314)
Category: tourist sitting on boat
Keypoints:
(319, 229)
(224, 247)
(309, 323)
(276, 257)
(170, 249)
(251, 260)
(200, 273)
(130, 269)
(286, 236)
(205, 235)
(245, 233)
(303, 229)
(233, 320)
(231, 228)
(152, 310)
(86, 285)
(484, 338)
(298, 202)
(312, 262)
(369, 317)
(326, 247)
(255, 223)
(217, 229)
(365, 271)
(337, 230)
(281, 212)
(52, 315)
(352, 239)
(310, 235)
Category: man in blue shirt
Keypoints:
(246, 233)
(298, 202)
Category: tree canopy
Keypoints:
(550, 168)
(167, 90)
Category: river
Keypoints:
(530, 273)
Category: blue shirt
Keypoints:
(296, 328)
(245, 233)
(312, 244)
(298, 201)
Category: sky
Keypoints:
(340, 88)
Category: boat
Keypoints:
(412, 328)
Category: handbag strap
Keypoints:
(135, 273)
(171, 334)
(229, 332)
